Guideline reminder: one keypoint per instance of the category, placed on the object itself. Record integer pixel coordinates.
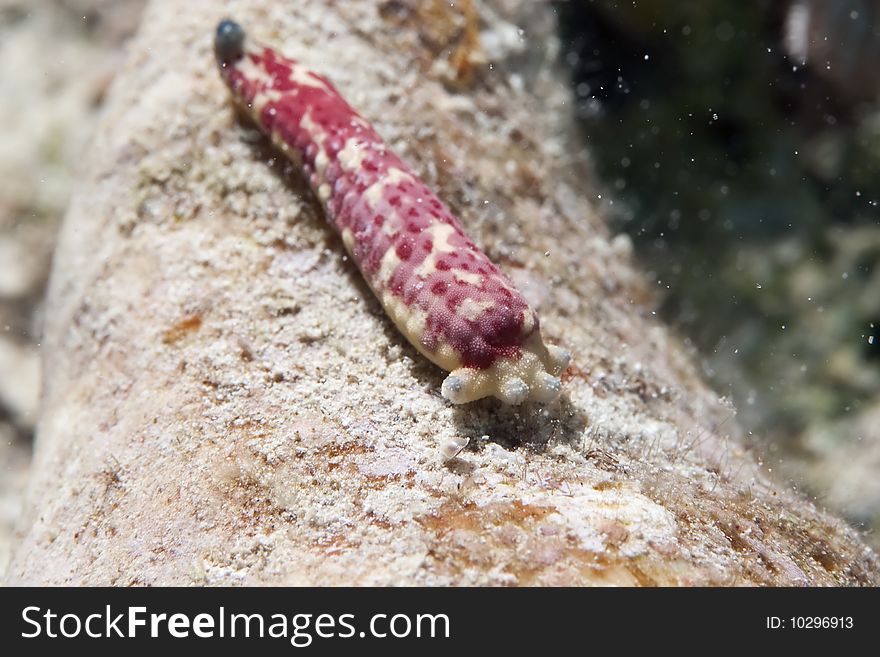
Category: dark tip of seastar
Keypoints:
(228, 41)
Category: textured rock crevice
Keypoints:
(225, 402)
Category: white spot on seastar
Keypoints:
(321, 162)
(263, 98)
(468, 277)
(319, 136)
(471, 310)
(441, 233)
(428, 266)
(255, 74)
(353, 154)
(313, 129)
(302, 76)
(390, 263)
(391, 225)
(376, 191)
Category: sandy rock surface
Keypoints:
(49, 101)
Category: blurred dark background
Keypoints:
(741, 144)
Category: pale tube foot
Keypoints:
(559, 359)
(534, 376)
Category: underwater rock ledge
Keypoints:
(225, 402)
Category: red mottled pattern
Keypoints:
(304, 111)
